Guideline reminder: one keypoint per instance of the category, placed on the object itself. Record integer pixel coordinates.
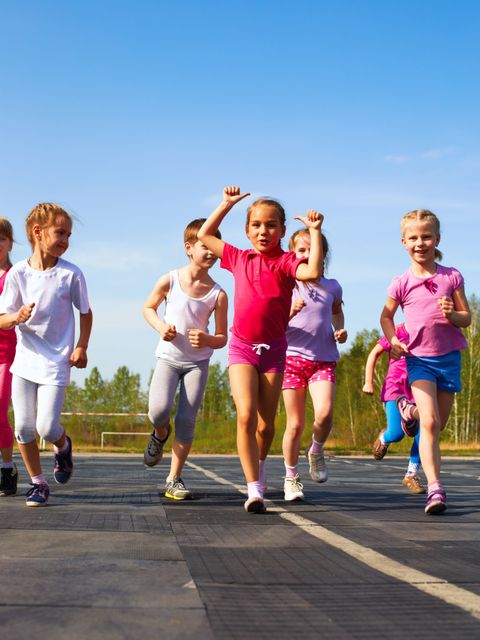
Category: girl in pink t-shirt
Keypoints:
(435, 307)
(8, 340)
(394, 386)
(264, 280)
(316, 325)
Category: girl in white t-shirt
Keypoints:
(38, 299)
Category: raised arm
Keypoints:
(150, 307)
(312, 270)
(206, 233)
(388, 327)
(370, 365)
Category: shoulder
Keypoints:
(69, 267)
(331, 284)
(398, 283)
(452, 274)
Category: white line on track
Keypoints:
(433, 586)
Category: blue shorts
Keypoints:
(443, 370)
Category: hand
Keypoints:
(232, 195)
(24, 313)
(313, 219)
(169, 332)
(340, 335)
(79, 358)
(398, 349)
(197, 338)
(368, 388)
(297, 306)
(446, 305)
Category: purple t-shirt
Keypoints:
(396, 380)
(430, 333)
(310, 332)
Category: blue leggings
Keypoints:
(394, 432)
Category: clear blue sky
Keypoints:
(134, 114)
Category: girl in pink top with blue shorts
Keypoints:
(264, 279)
(435, 307)
(316, 325)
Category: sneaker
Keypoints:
(413, 484)
(8, 484)
(38, 495)
(63, 468)
(176, 490)
(154, 450)
(317, 464)
(255, 505)
(409, 424)
(379, 449)
(436, 502)
(293, 489)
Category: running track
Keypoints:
(111, 558)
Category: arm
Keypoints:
(338, 323)
(312, 270)
(456, 308)
(297, 306)
(154, 300)
(199, 338)
(372, 360)
(79, 355)
(10, 320)
(386, 321)
(206, 233)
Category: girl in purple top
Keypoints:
(394, 386)
(435, 307)
(264, 280)
(316, 325)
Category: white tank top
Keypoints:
(186, 313)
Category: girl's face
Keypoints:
(5, 248)
(264, 229)
(420, 240)
(199, 254)
(302, 245)
(54, 239)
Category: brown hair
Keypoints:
(269, 202)
(6, 230)
(305, 232)
(191, 230)
(44, 214)
(420, 215)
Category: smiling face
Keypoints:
(420, 239)
(264, 229)
(199, 254)
(54, 239)
(5, 248)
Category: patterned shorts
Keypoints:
(300, 372)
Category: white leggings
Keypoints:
(37, 408)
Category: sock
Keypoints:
(434, 485)
(413, 468)
(7, 465)
(317, 447)
(255, 489)
(40, 479)
(262, 475)
(63, 449)
(290, 472)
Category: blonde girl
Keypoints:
(435, 307)
(38, 299)
(264, 280)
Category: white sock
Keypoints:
(7, 465)
(413, 468)
(255, 489)
(40, 479)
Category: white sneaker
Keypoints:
(293, 489)
(318, 466)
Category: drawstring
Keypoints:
(258, 348)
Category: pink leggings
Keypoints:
(6, 435)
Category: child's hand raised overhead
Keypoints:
(313, 219)
(232, 195)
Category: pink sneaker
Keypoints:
(409, 424)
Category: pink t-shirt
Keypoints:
(430, 333)
(263, 291)
(8, 337)
(396, 380)
(310, 332)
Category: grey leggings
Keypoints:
(192, 378)
(37, 407)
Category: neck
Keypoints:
(4, 266)
(42, 261)
(424, 270)
(196, 272)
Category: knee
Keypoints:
(246, 422)
(294, 429)
(50, 430)
(430, 424)
(322, 419)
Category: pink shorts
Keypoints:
(300, 372)
(267, 358)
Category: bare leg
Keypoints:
(323, 396)
(294, 401)
(180, 451)
(244, 383)
(270, 387)
(31, 458)
(7, 454)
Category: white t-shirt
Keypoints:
(45, 342)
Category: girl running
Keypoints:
(8, 482)
(394, 386)
(38, 298)
(435, 307)
(316, 324)
(264, 280)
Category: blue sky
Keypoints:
(133, 115)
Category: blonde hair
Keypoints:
(6, 230)
(44, 214)
(421, 215)
(268, 202)
(304, 232)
